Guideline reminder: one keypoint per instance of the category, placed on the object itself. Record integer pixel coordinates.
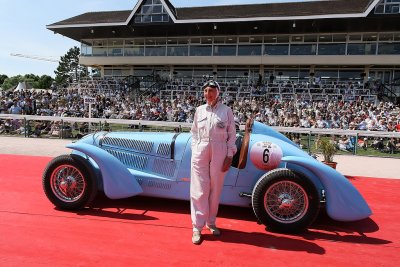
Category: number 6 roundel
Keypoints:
(265, 155)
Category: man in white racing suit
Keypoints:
(213, 147)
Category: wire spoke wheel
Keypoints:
(67, 183)
(285, 201)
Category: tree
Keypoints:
(69, 68)
(30, 79)
(44, 82)
(12, 81)
(3, 77)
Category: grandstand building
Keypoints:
(324, 41)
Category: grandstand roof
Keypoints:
(306, 10)
(275, 10)
(96, 18)
(310, 16)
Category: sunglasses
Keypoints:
(212, 84)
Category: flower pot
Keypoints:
(331, 164)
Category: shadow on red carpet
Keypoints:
(323, 228)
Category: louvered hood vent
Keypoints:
(164, 149)
(129, 144)
(157, 144)
(164, 167)
(129, 159)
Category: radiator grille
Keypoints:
(138, 145)
(134, 161)
(164, 167)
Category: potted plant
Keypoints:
(328, 150)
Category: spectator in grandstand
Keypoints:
(15, 108)
(344, 143)
(363, 143)
(397, 127)
(55, 129)
(305, 122)
(2, 127)
(321, 123)
(182, 115)
(7, 126)
(360, 123)
(334, 122)
(378, 144)
(372, 126)
(190, 117)
(3, 108)
(391, 146)
(16, 126)
(213, 147)
(390, 126)
(36, 131)
(382, 125)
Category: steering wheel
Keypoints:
(245, 144)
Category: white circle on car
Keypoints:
(265, 155)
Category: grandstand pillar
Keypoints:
(366, 71)
(102, 72)
(312, 74)
(261, 71)
(215, 71)
(312, 68)
(171, 72)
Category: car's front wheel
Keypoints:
(69, 183)
(284, 201)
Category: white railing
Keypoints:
(103, 121)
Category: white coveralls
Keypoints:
(213, 138)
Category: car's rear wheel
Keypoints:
(69, 182)
(285, 202)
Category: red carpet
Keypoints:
(143, 231)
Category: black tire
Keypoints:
(285, 202)
(69, 182)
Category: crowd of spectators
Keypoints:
(121, 104)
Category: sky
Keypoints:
(23, 29)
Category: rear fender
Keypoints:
(343, 201)
(118, 182)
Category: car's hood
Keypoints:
(166, 145)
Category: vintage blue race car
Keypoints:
(284, 185)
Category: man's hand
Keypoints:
(227, 164)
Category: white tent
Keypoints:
(22, 86)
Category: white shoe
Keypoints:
(196, 237)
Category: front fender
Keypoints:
(343, 201)
(118, 182)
